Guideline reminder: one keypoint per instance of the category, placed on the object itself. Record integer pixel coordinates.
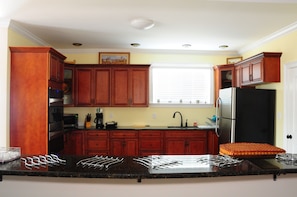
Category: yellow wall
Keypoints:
(153, 116)
(163, 115)
(288, 46)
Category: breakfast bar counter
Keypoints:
(150, 167)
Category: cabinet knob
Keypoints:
(289, 136)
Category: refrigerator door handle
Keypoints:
(218, 114)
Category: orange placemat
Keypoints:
(246, 149)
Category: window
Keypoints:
(181, 84)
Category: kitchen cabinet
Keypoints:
(68, 85)
(92, 86)
(212, 143)
(74, 142)
(224, 77)
(56, 68)
(150, 142)
(96, 142)
(123, 143)
(185, 142)
(130, 86)
(31, 75)
(261, 68)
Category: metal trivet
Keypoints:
(42, 161)
(157, 162)
(287, 158)
(101, 162)
(219, 161)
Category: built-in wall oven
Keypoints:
(55, 120)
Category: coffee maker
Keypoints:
(99, 119)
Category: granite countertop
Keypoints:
(202, 127)
(129, 168)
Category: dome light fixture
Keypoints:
(142, 23)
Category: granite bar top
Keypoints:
(129, 168)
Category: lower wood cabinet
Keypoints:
(150, 143)
(185, 142)
(96, 142)
(74, 143)
(141, 142)
(123, 143)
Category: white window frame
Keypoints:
(192, 105)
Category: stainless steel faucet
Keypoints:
(181, 118)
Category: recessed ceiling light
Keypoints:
(77, 44)
(223, 46)
(135, 44)
(186, 45)
(142, 23)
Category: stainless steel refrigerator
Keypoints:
(246, 115)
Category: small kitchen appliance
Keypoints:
(99, 120)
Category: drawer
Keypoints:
(97, 144)
(144, 134)
(97, 134)
(185, 134)
(151, 144)
(123, 134)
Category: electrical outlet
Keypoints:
(111, 115)
(154, 116)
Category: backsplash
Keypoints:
(152, 116)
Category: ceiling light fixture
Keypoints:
(223, 46)
(142, 23)
(76, 44)
(135, 45)
(186, 45)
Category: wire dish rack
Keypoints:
(99, 162)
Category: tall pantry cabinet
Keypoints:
(33, 70)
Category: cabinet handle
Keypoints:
(186, 143)
(251, 77)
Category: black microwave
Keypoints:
(70, 121)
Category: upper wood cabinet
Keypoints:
(56, 67)
(92, 85)
(68, 85)
(130, 86)
(31, 75)
(224, 77)
(111, 85)
(261, 68)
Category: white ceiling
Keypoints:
(105, 24)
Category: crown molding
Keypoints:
(277, 34)
(26, 33)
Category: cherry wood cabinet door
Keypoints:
(56, 68)
(96, 142)
(74, 143)
(102, 86)
(83, 86)
(224, 77)
(139, 87)
(186, 142)
(124, 143)
(150, 143)
(120, 87)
